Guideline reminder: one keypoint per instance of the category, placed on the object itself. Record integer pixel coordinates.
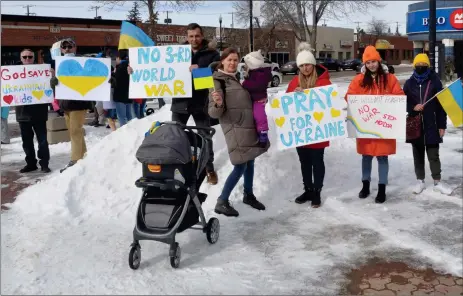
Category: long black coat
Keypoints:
(434, 116)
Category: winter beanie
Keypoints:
(371, 54)
(305, 55)
(254, 60)
(421, 58)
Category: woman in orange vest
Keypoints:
(374, 80)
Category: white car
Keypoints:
(275, 67)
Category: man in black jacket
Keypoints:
(203, 54)
(124, 105)
(33, 119)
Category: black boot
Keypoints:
(365, 192)
(252, 201)
(316, 200)
(28, 169)
(305, 197)
(223, 207)
(46, 169)
(381, 197)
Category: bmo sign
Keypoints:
(447, 19)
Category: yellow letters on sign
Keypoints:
(161, 90)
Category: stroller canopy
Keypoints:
(169, 144)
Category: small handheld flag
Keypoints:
(451, 99)
(202, 78)
(133, 36)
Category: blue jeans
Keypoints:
(383, 168)
(124, 113)
(139, 109)
(246, 169)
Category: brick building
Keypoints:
(393, 49)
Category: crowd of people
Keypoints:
(239, 107)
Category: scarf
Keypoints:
(421, 78)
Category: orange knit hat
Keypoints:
(371, 54)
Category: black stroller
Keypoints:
(172, 175)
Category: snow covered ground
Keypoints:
(70, 234)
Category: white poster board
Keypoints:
(313, 116)
(26, 85)
(377, 117)
(160, 72)
(55, 50)
(83, 79)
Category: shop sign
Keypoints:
(447, 20)
(55, 29)
(346, 43)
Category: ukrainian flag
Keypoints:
(202, 78)
(451, 99)
(133, 36)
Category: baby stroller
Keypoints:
(172, 176)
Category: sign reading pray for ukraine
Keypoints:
(312, 116)
(160, 71)
(83, 79)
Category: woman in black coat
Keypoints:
(420, 88)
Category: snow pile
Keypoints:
(71, 234)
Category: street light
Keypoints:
(220, 32)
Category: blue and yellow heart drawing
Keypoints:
(82, 79)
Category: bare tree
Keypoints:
(377, 28)
(152, 7)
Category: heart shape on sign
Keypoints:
(335, 113)
(8, 99)
(334, 93)
(38, 94)
(48, 92)
(275, 104)
(82, 79)
(307, 91)
(280, 121)
(318, 116)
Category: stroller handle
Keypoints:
(210, 130)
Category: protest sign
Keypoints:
(26, 85)
(312, 116)
(377, 117)
(83, 79)
(160, 71)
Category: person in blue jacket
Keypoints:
(420, 88)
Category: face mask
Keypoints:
(71, 54)
(421, 69)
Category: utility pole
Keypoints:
(167, 21)
(251, 33)
(96, 10)
(27, 7)
(432, 33)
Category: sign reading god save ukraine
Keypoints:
(160, 71)
(309, 117)
(83, 79)
(26, 85)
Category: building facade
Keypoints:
(449, 31)
(393, 49)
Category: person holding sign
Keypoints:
(32, 120)
(427, 122)
(231, 104)
(374, 80)
(124, 105)
(310, 156)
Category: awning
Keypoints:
(383, 44)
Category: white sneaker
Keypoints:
(419, 187)
(443, 188)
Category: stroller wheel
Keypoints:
(135, 257)
(213, 230)
(175, 259)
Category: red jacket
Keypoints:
(323, 79)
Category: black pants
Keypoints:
(432, 151)
(27, 134)
(201, 119)
(312, 164)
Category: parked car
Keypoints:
(330, 64)
(351, 64)
(275, 67)
(289, 68)
(389, 67)
(276, 78)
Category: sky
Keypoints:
(207, 14)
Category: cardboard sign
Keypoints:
(55, 50)
(313, 116)
(160, 71)
(377, 117)
(83, 79)
(26, 85)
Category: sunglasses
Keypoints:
(27, 57)
(67, 47)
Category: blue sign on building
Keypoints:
(448, 20)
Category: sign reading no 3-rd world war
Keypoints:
(312, 116)
(160, 71)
